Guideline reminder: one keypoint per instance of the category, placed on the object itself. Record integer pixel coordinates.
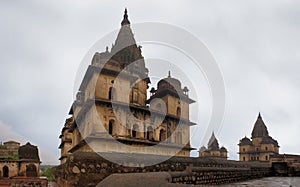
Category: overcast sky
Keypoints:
(254, 43)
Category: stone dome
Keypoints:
(170, 86)
(28, 151)
(223, 149)
(245, 141)
(169, 83)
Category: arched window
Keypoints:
(5, 171)
(178, 112)
(111, 93)
(149, 133)
(178, 138)
(244, 159)
(169, 134)
(128, 128)
(31, 170)
(266, 157)
(266, 148)
(134, 130)
(162, 135)
(111, 126)
(134, 95)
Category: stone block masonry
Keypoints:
(89, 169)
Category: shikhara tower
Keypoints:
(112, 114)
(213, 150)
(261, 147)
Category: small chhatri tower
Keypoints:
(261, 147)
(213, 150)
(20, 165)
(112, 104)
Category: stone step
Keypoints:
(5, 183)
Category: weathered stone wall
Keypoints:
(12, 168)
(218, 175)
(28, 182)
(286, 165)
(88, 169)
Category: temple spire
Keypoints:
(259, 129)
(213, 143)
(125, 20)
(125, 36)
(169, 74)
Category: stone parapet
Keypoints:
(88, 169)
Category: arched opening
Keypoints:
(31, 170)
(111, 126)
(128, 129)
(135, 95)
(5, 171)
(169, 135)
(178, 138)
(267, 158)
(111, 93)
(178, 112)
(149, 133)
(162, 135)
(134, 131)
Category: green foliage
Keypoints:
(48, 171)
(3, 147)
(12, 157)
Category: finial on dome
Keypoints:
(169, 74)
(125, 20)
(259, 115)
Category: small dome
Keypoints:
(223, 149)
(169, 83)
(245, 141)
(28, 151)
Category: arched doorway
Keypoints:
(31, 170)
(178, 112)
(111, 93)
(111, 127)
(162, 135)
(149, 133)
(5, 171)
(134, 131)
(178, 138)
